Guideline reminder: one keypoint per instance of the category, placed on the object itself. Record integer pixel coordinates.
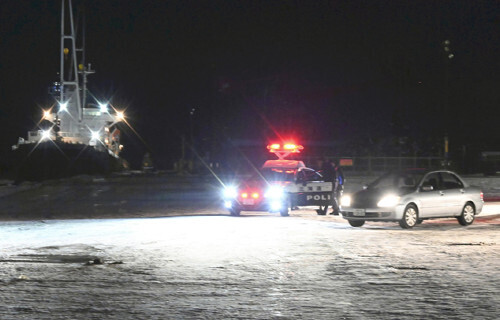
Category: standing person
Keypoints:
(332, 173)
(337, 186)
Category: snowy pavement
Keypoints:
(490, 209)
(161, 247)
(257, 266)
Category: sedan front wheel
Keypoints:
(356, 223)
(410, 217)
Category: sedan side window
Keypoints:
(450, 181)
(432, 180)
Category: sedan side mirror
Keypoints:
(427, 188)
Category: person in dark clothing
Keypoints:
(327, 170)
(332, 173)
(337, 187)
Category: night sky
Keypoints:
(362, 76)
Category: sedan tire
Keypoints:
(468, 215)
(356, 223)
(234, 212)
(410, 217)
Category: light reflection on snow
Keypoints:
(249, 267)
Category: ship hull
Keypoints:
(55, 159)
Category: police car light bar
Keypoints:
(287, 147)
(283, 151)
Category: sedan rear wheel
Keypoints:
(410, 217)
(356, 223)
(468, 215)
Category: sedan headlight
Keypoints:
(230, 192)
(275, 192)
(345, 201)
(389, 201)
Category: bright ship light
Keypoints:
(103, 107)
(63, 106)
(120, 115)
(94, 135)
(45, 134)
(46, 114)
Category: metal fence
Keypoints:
(369, 165)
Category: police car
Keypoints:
(278, 186)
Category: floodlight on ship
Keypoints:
(47, 115)
(45, 135)
(94, 135)
(63, 106)
(103, 107)
(120, 116)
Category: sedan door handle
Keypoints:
(441, 193)
(462, 191)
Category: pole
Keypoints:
(448, 56)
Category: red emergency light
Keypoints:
(286, 147)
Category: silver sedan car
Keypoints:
(411, 196)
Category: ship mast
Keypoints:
(70, 80)
(73, 121)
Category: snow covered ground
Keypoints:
(252, 267)
(161, 247)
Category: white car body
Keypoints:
(436, 194)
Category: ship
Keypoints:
(77, 134)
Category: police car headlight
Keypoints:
(275, 192)
(345, 201)
(230, 192)
(276, 205)
(389, 201)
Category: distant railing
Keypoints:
(369, 165)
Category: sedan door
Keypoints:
(430, 196)
(454, 190)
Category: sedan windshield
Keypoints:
(398, 180)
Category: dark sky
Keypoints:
(352, 72)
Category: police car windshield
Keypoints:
(278, 174)
(397, 180)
